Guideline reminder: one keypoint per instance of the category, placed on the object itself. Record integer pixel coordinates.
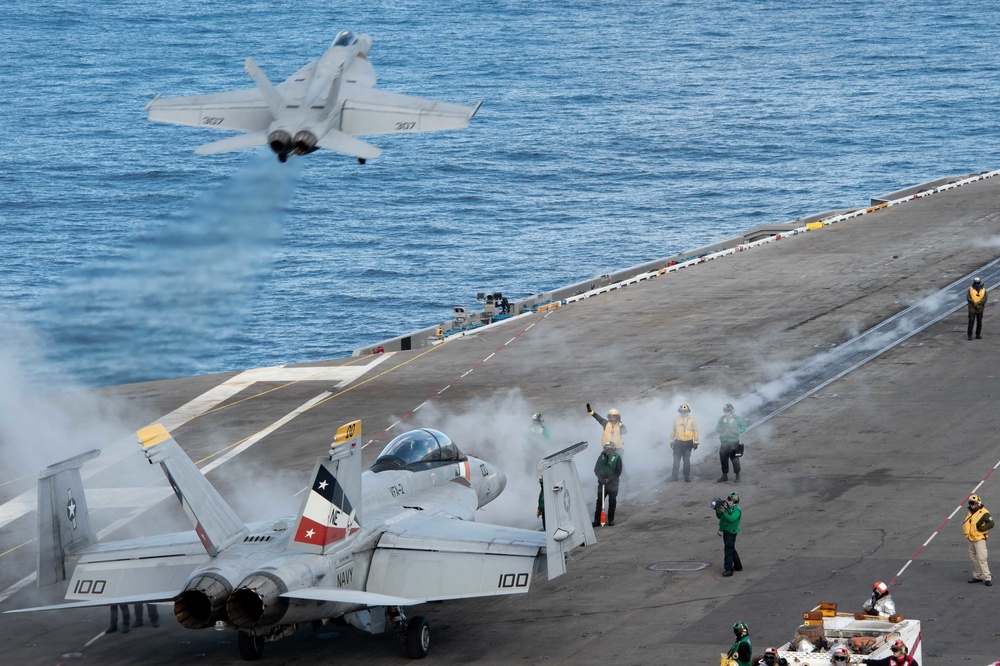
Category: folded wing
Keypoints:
(433, 557)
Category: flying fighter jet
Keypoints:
(326, 104)
(364, 545)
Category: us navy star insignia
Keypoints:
(310, 533)
(323, 485)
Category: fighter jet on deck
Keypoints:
(364, 545)
(326, 104)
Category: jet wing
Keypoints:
(372, 111)
(243, 110)
(433, 557)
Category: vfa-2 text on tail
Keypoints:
(364, 546)
(326, 104)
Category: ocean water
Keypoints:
(611, 133)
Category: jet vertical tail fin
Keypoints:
(331, 511)
(63, 519)
(567, 522)
(216, 523)
(271, 95)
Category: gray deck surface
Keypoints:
(839, 490)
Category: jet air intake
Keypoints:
(305, 142)
(257, 601)
(203, 601)
(280, 142)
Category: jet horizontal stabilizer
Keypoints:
(238, 142)
(132, 599)
(340, 595)
(345, 144)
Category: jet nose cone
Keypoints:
(501, 481)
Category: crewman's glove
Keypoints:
(538, 513)
(695, 446)
(673, 445)
(604, 481)
(589, 410)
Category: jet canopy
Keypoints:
(345, 38)
(418, 450)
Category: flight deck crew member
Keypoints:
(608, 469)
(154, 615)
(881, 602)
(900, 657)
(741, 652)
(126, 619)
(540, 511)
(730, 515)
(613, 428)
(770, 658)
(976, 298)
(976, 527)
(683, 440)
(730, 427)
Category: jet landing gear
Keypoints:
(282, 157)
(415, 632)
(361, 160)
(250, 645)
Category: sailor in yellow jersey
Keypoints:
(683, 440)
(976, 527)
(976, 298)
(613, 428)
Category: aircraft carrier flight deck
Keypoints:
(860, 450)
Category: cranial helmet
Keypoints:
(880, 588)
(977, 281)
(770, 655)
(734, 497)
(771, 650)
(537, 416)
(728, 407)
(898, 644)
(613, 412)
(741, 629)
(609, 445)
(840, 653)
(683, 409)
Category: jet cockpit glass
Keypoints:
(418, 449)
(345, 38)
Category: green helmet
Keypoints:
(741, 629)
(734, 497)
(728, 407)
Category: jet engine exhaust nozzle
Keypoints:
(257, 601)
(280, 142)
(203, 601)
(305, 142)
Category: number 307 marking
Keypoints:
(212, 120)
(403, 127)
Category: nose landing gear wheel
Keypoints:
(418, 637)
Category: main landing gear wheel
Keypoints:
(251, 646)
(418, 637)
